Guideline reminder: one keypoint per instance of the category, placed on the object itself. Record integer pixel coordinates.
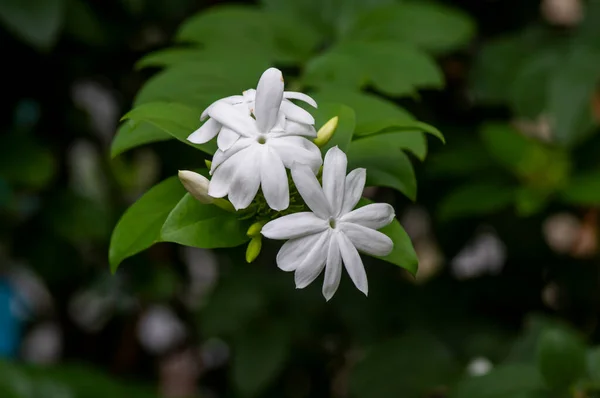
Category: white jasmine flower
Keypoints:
(263, 151)
(297, 120)
(331, 234)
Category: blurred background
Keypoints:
(505, 223)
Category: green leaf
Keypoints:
(36, 22)
(412, 126)
(271, 344)
(409, 366)
(175, 119)
(409, 140)
(373, 113)
(403, 253)
(140, 226)
(346, 123)
(192, 223)
(386, 166)
(172, 56)
(25, 162)
(335, 70)
(428, 25)
(475, 200)
(583, 189)
(132, 134)
(561, 357)
(504, 381)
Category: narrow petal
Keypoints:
(297, 150)
(293, 252)
(313, 262)
(367, 240)
(353, 263)
(353, 189)
(246, 179)
(206, 132)
(301, 97)
(295, 113)
(274, 180)
(221, 179)
(236, 120)
(294, 225)
(333, 269)
(375, 215)
(232, 100)
(294, 128)
(334, 177)
(269, 94)
(221, 156)
(310, 190)
(226, 138)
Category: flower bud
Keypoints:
(208, 163)
(253, 249)
(326, 132)
(196, 184)
(255, 228)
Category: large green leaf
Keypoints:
(475, 200)
(409, 140)
(37, 22)
(561, 357)
(346, 124)
(192, 223)
(583, 189)
(429, 25)
(409, 366)
(373, 113)
(175, 119)
(132, 134)
(140, 226)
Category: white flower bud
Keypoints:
(196, 184)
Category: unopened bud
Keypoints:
(196, 184)
(253, 249)
(326, 132)
(255, 229)
(208, 164)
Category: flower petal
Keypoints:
(294, 128)
(300, 96)
(206, 132)
(234, 99)
(353, 263)
(295, 113)
(221, 179)
(269, 94)
(367, 240)
(246, 179)
(221, 156)
(226, 138)
(353, 189)
(274, 180)
(313, 262)
(236, 120)
(294, 225)
(334, 177)
(310, 190)
(333, 269)
(296, 150)
(293, 252)
(375, 215)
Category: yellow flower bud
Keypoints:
(326, 132)
(253, 249)
(196, 184)
(255, 228)
(208, 163)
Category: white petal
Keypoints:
(274, 180)
(301, 97)
(226, 138)
(309, 188)
(375, 215)
(313, 262)
(333, 269)
(234, 99)
(367, 240)
(206, 132)
(294, 225)
(334, 177)
(295, 113)
(293, 252)
(249, 98)
(221, 179)
(246, 179)
(297, 150)
(353, 189)
(230, 117)
(269, 94)
(221, 156)
(295, 128)
(353, 263)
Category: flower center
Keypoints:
(332, 223)
(261, 139)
